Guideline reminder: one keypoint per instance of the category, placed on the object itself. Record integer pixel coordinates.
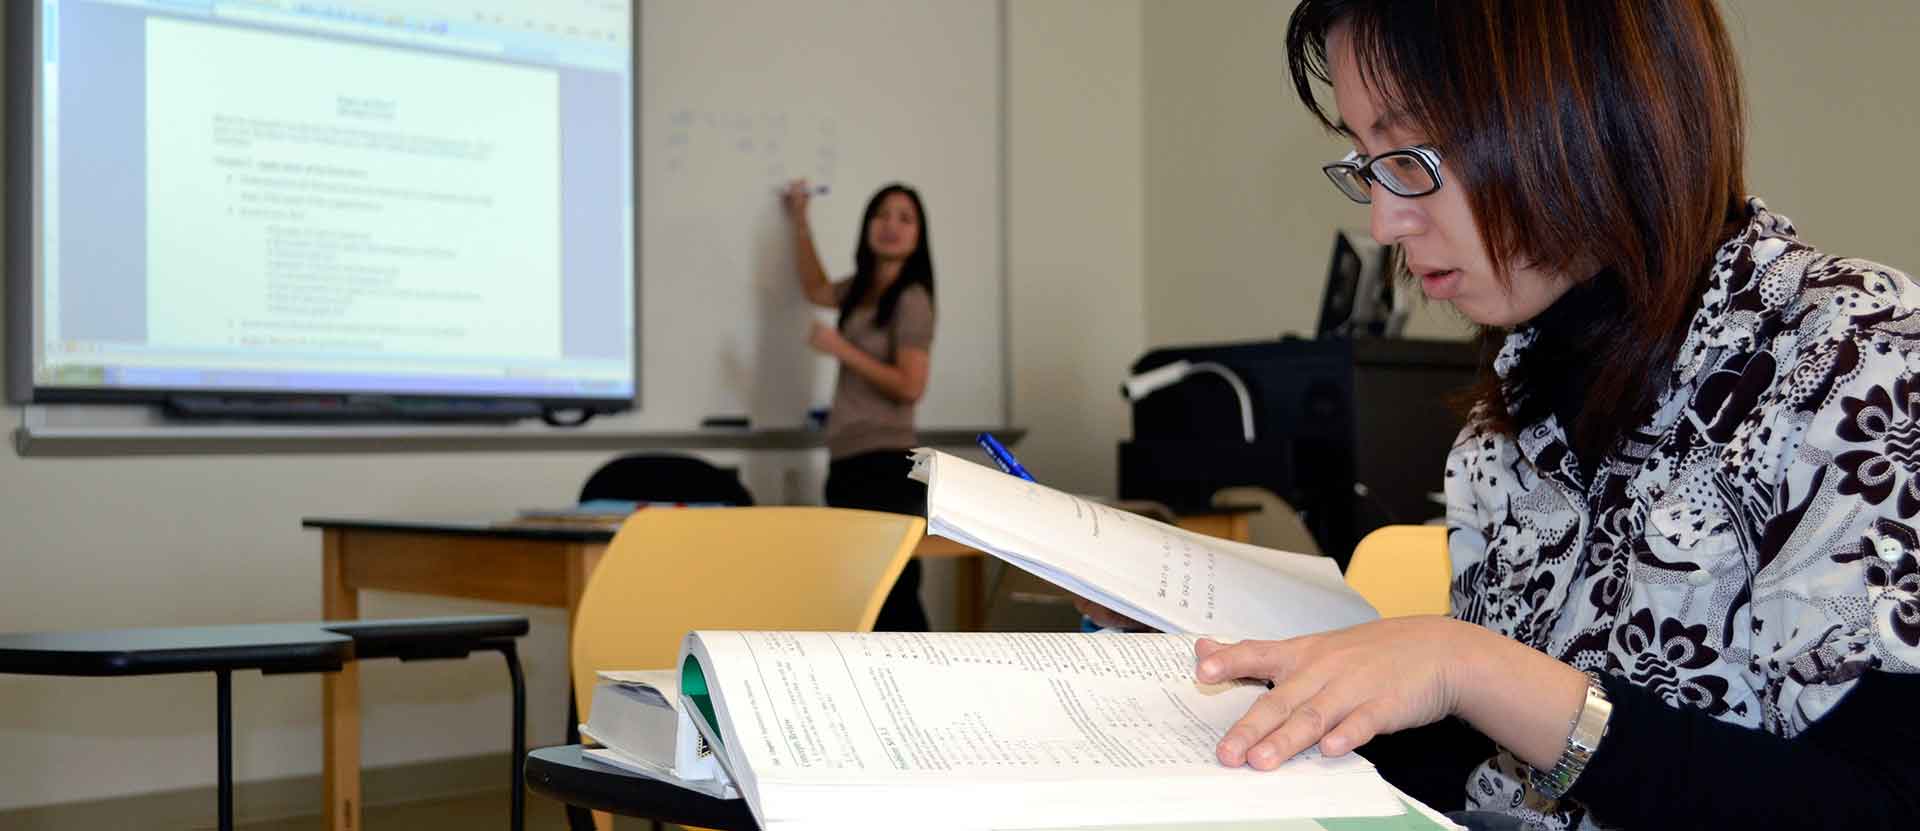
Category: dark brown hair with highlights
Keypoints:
(1603, 136)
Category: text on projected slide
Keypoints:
(358, 200)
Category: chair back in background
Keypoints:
(665, 477)
(672, 570)
(1404, 570)
(1276, 525)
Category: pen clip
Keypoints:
(1002, 457)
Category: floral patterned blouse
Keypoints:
(1750, 550)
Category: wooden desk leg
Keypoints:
(581, 560)
(340, 695)
(969, 603)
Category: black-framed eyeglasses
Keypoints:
(1409, 172)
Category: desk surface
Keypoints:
(284, 647)
(562, 531)
(42, 434)
(471, 527)
(269, 647)
(566, 775)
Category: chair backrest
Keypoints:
(665, 477)
(671, 570)
(1404, 570)
(1277, 525)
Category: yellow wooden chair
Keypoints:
(671, 570)
(1404, 570)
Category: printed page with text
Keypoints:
(1166, 577)
(999, 730)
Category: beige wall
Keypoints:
(1239, 219)
(1233, 212)
(1834, 116)
(1076, 241)
(216, 539)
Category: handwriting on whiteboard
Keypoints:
(775, 144)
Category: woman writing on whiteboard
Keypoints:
(883, 344)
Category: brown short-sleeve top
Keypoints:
(863, 417)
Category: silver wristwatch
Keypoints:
(1589, 726)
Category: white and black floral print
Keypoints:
(1751, 549)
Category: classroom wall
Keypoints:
(1077, 237)
(1832, 110)
(1238, 208)
(185, 540)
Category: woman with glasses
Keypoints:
(1684, 518)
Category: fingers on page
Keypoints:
(1304, 727)
(1248, 659)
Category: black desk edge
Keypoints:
(564, 774)
(272, 648)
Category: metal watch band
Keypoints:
(1586, 730)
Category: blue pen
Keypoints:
(1003, 457)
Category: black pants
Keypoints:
(877, 481)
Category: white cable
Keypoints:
(1239, 389)
(1153, 380)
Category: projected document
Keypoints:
(317, 197)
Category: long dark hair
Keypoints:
(1609, 134)
(917, 271)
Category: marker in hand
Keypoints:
(810, 190)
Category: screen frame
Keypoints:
(23, 136)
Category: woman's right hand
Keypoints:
(798, 193)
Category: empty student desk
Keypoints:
(272, 648)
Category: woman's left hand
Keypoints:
(1107, 618)
(826, 339)
(1339, 689)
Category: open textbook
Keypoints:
(1169, 578)
(954, 730)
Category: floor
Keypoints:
(463, 813)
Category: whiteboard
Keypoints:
(735, 98)
(739, 96)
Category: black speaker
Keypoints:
(1352, 433)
